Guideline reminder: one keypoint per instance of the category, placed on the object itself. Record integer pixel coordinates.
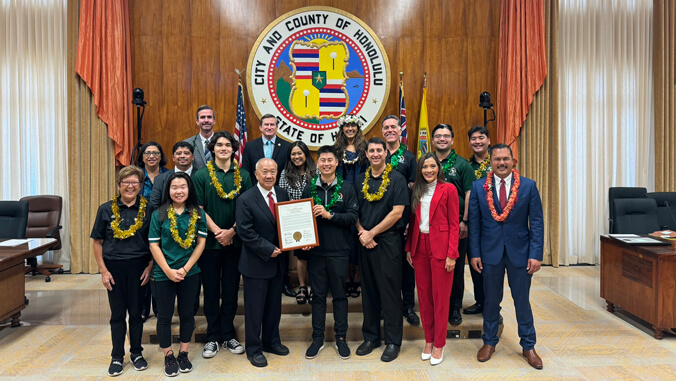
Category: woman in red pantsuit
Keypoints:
(432, 249)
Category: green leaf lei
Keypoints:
(394, 160)
(334, 198)
(451, 160)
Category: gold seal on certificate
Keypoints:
(296, 224)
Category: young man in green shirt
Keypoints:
(458, 172)
(217, 187)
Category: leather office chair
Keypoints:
(13, 219)
(635, 216)
(666, 209)
(622, 192)
(44, 218)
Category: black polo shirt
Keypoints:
(121, 249)
(407, 165)
(372, 213)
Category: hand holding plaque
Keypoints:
(296, 224)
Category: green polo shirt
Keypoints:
(175, 255)
(221, 211)
(461, 175)
(475, 165)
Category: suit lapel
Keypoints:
(496, 200)
(436, 197)
(262, 203)
(261, 149)
(276, 149)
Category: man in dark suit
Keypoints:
(506, 232)
(271, 147)
(260, 265)
(183, 156)
(205, 119)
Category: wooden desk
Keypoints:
(641, 280)
(12, 275)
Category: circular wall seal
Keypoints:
(313, 65)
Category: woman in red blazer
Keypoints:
(431, 249)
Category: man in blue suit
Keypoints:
(506, 232)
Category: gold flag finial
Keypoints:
(425, 80)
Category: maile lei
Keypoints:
(483, 168)
(190, 235)
(219, 188)
(488, 186)
(451, 160)
(383, 186)
(394, 160)
(334, 198)
(138, 220)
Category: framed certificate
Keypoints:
(296, 224)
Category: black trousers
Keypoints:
(478, 282)
(328, 273)
(458, 289)
(148, 301)
(220, 278)
(284, 261)
(167, 292)
(262, 308)
(126, 298)
(381, 288)
(407, 280)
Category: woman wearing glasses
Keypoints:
(152, 160)
(120, 235)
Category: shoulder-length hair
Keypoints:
(139, 159)
(190, 203)
(420, 185)
(293, 174)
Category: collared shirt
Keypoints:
(269, 146)
(372, 213)
(204, 140)
(148, 184)
(461, 175)
(265, 192)
(498, 183)
(187, 171)
(176, 256)
(121, 249)
(425, 203)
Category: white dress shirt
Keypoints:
(265, 194)
(498, 183)
(425, 203)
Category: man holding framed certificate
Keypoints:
(336, 210)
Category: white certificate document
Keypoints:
(296, 224)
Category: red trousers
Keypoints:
(434, 292)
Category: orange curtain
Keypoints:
(522, 65)
(104, 63)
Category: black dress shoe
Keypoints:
(411, 317)
(258, 360)
(288, 291)
(367, 347)
(280, 350)
(455, 317)
(474, 309)
(390, 353)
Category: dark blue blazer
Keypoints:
(254, 151)
(258, 230)
(521, 234)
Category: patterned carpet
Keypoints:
(577, 339)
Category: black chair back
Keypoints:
(622, 192)
(635, 216)
(13, 219)
(666, 209)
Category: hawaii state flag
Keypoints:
(402, 115)
(240, 125)
(423, 128)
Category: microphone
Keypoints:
(666, 203)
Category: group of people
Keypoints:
(385, 222)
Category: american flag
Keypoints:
(402, 114)
(240, 125)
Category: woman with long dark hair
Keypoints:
(177, 237)
(351, 147)
(299, 171)
(431, 249)
(120, 235)
(152, 160)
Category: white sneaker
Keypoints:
(210, 349)
(234, 346)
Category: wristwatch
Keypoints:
(465, 221)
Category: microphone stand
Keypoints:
(140, 111)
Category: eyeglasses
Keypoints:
(442, 136)
(151, 153)
(130, 183)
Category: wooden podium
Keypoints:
(641, 280)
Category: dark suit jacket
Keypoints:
(521, 234)
(258, 230)
(196, 141)
(157, 195)
(444, 229)
(254, 151)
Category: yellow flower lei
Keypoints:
(138, 220)
(219, 187)
(383, 186)
(190, 236)
(483, 168)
